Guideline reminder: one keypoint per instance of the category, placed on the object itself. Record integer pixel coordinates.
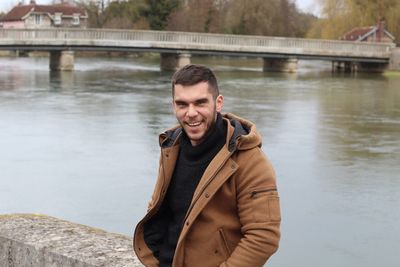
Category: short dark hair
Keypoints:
(193, 74)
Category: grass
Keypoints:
(391, 73)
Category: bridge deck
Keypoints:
(195, 43)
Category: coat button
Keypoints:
(207, 195)
(187, 223)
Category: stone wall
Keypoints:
(30, 240)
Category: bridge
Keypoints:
(176, 48)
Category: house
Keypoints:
(44, 16)
(376, 33)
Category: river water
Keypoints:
(83, 146)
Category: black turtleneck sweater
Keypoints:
(190, 166)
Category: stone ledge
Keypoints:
(38, 240)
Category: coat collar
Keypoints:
(243, 135)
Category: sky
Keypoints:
(6, 5)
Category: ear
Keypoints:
(219, 103)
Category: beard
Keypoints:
(210, 126)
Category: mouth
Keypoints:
(194, 124)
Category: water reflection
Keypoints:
(61, 80)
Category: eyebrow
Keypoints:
(201, 101)
(180, 102)
(198, 101)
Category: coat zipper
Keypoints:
(255, 192)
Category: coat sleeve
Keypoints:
(258, 210)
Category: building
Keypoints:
(376, 33)
(45, 16)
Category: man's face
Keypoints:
(196, 110)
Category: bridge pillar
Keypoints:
(174, 61)
(62, 60)
(395, 59)
(280, 65)
(344, 66)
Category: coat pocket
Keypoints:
(265, 205)
(224, 243)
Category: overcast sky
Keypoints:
(6, 5)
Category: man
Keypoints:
(215, 202)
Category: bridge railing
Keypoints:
(212, 41)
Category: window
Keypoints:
(75, 19)
(37, 18)
(57, 18)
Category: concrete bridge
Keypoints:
(176, 48)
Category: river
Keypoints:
(83, 146)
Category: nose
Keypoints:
(191, 112)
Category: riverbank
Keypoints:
(40, 240)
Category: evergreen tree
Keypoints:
(159, 12)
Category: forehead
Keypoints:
(192, 92)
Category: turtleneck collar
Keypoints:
(206, 149)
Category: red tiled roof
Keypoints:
(356, 33)
(18, 12)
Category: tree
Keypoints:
(95, 15)
(340, 16)
(129, 14)
(159, 12)
(256, 17)
(195, 16)
(266, 17)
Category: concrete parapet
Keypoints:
(37, 240)
(62, 60)
(280, 65)
(174, 61)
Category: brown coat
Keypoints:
(234, 217)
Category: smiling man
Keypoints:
(215, 202)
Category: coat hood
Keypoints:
(241, 134)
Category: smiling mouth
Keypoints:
(194, 124)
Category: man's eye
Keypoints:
(201, 104)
